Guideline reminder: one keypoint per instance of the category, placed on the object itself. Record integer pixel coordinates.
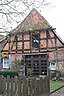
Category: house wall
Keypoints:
(1, 63)
(53, 55)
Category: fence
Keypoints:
(24, 86)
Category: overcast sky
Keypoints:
(53, 13)
(55, 16)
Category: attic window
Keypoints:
(35, 40)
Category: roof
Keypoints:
(60, 39)
(33, 21)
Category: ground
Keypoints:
(60, 92)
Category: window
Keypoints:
(35, 40)
(5, 62)
(53, 66)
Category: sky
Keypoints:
(54, 14)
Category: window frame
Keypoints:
(7, 62)
(33, 35)
(52, 66)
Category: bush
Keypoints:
(61, 72)
(29, 71)
(52, 74)
(16, 64)
(11, 73)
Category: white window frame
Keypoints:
(52, 66)
(4, 62)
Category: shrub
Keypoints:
(52, 74)
(17, 64)
(29, 71)
(61, 72)
(11, 73)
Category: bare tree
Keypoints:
(13, 11)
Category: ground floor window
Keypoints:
(6, 62)
(52, 66)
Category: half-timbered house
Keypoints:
(34, 41)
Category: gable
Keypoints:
(33, 21)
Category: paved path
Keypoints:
(60, 92)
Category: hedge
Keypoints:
(11, 73)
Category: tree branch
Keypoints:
(7, 3)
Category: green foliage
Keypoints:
(11, 45)
(53, 79)
(8, 72)
(61, 71)
(54, 85)
(22, 62)
(17, 64)
(0, 54)
(29, 71)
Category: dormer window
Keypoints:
(35, 40)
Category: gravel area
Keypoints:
(60, 92)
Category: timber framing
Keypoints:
(48, 37)
(22, 50)
(22, 39)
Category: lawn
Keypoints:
(54, 85)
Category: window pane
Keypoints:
(6, 62)
(35, 40)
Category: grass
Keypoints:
(54, 85)
(62, 95)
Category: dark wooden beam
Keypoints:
(22, 42)
(57, 61)
(47, 47)
(39, 41)
(9, 44)
(16, 38)
(30, 40)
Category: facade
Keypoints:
(33, 36)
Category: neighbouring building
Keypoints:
(34, 41)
